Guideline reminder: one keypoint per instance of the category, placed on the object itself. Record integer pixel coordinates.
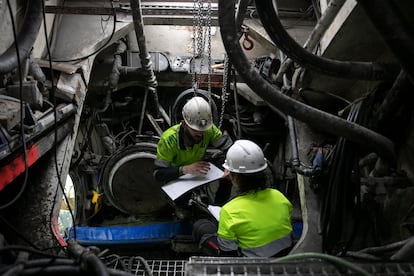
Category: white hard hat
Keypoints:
(244, 156)
(197, 114)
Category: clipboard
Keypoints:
(180, 186)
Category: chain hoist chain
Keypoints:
(193, 65)
(224, 94)
(209, 49)
(200, 39)
(199, 43)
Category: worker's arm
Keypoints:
(165, 172)
(223, 143)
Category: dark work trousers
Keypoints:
(205, 234)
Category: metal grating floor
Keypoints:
(139, 266)
(204, 266)
(201, 266)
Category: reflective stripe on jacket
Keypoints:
(258, 223)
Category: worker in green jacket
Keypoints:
(255, 223)
(182, 148)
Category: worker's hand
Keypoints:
(200, 167)
(226, 174)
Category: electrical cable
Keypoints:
(97, 50)
(26, 166)
(340, 199)
(53, 94)
(145, 264)
(312, 255)
(84, 146)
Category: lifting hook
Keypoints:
(247, 42)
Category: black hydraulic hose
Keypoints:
(317, 118)
(26, 38)
(95, 264)
(395, 30)
(143, 52)
(336, 68)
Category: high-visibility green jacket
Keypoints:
(171, 147)
(256, 223)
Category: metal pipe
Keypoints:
(296, 164)
(236, 104)
(314, 117)
(26, 38)
(113, 76)
(340, 69)
(144, 107)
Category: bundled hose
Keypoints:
(340, 199)
(26, 38)
(340, 69)
(314, 117)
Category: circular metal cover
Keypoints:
(129, 184)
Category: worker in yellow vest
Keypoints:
(255, 223)
(182, 150)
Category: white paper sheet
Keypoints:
(215, 211)
(178, 187)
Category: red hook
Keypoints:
(247, 42)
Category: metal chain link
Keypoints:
(224, 95)
(209, 49)
(193, 82)
(199, 43)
